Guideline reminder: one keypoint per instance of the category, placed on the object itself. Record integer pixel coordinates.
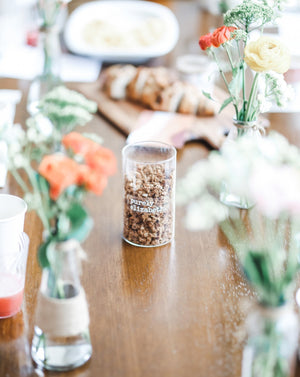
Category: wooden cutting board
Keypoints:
(177, 129)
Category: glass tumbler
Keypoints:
(12, 278)
(149, 178)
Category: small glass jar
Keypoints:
(272, 342)
(61, 339)
(149, 176)
(198, 70)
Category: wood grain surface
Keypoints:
(171, 311)
(176, 310)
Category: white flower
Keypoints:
(277, 89)
(193, 184)
(205, 213)
(17, 161)
(40, 129)
(32, 135)
(275, 189)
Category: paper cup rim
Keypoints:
(23, 211)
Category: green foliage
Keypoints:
(66, 109)
(225, 103)
(80, 222)
(207, 95)
(42, 254)
(60, 111)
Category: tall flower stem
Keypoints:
(32, 177)
(229, 55)
(19, 180)
(252, 96)
(226, 83)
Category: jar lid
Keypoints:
(195, 64)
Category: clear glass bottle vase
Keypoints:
(239, 129)
(52, 15)
(61, 338)
(272, 342)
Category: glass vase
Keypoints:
(272, 343)
(51, 15)
(239, 129)
(61, 338)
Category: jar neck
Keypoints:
(274, 312)
(248, 127)
(244, 124)
(62, 278)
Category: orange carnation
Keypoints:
(222, 35)
(60, 172)
(92, 180)
(79, 144)
(102, 160)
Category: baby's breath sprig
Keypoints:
(250, 15)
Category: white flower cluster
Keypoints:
(273, 89)
(14, 137)
(266, 171)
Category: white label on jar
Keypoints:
(146, 206)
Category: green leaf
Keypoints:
(208, 95)
(226, 103)
(42, 254)
(80, 222)
(236, 83)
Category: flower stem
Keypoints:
(20, 181)
(251, 98)
(227, 85)
(229, 55)
(32, 177)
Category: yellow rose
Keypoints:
(267, 54)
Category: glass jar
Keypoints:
(52, 16)
(14, 348)
(198, 70)
(272, 342)
(239, 129)
(149, 175)
(61, 335)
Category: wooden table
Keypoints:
(172, 311)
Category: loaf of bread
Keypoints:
(156, 88)
(116, 79)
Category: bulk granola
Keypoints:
(149, 212)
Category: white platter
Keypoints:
(122, 15)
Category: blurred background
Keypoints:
(21, 54)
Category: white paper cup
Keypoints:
(12, 215)
(12, 278)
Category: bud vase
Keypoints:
(272, 343)
(61, 339)
(52, 14)
(239, 129)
